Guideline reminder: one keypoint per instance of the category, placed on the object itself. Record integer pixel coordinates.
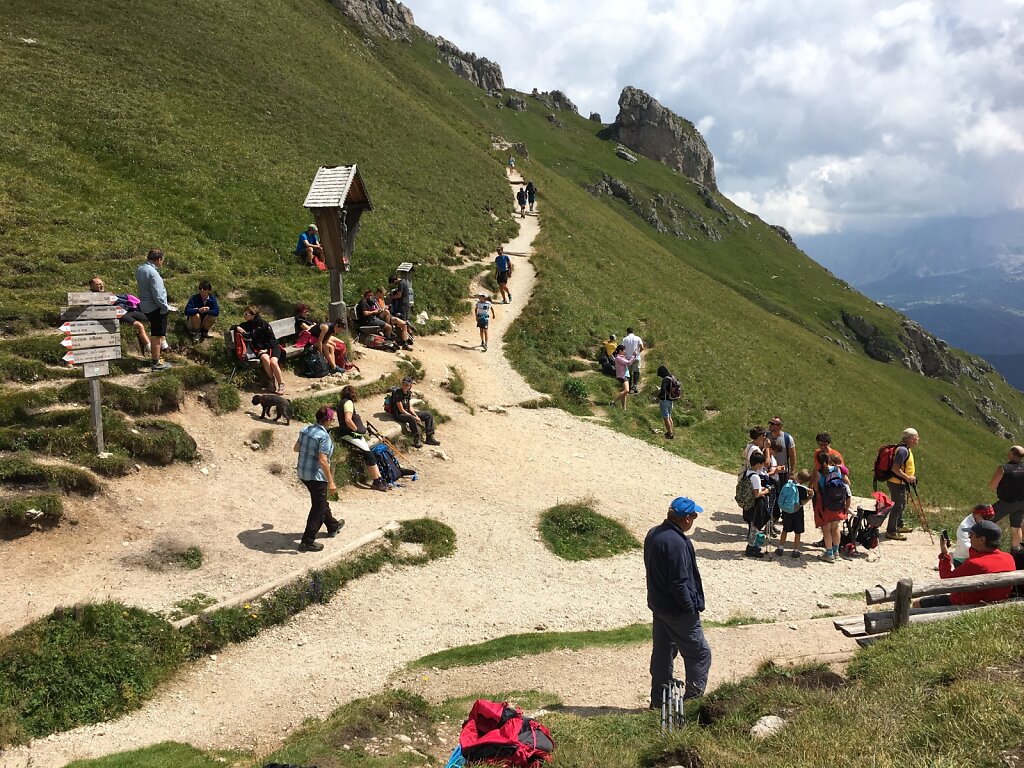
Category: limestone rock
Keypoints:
(767, 726)
(783, 232)
(625, 154)
(595, 117)
(931, 356)
(654, 131)
(956, 409)
(481, 72)
(378, 18)
(517, 103)
(556, 100)
(554, 120)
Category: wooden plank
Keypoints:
(901, 603)
(882, 621)
(91, 297)
(864, 642)
(882, 594)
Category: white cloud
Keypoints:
(820, 115)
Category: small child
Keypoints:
(833, 509)
(484, 312)
(759, 513)
(963, 531)
(793, 521)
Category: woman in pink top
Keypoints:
(622, 364)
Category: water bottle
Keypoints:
(759, 539)
(414, 477)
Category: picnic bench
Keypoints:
(874, 625)
(284, 330)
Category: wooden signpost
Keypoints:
(92, 339)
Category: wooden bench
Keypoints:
(874, 625)
(284, 330)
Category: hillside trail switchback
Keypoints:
(500, 472)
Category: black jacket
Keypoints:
(673, 579)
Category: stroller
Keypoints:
(862, 527)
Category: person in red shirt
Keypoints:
(984, 556)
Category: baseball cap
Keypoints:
(407, 380)
(682, 506)
(988, 530)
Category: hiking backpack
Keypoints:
(675, 389)
(744, 491)
(883, 464)
(498, 734)
(392, 397)
(313, 364)
(390, 470)
(244, 352)
(833, 494)
(376, 341)
(789, 497)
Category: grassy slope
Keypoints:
(139, 123)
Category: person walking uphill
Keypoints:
(904, 474)
(153, 303)
(675, 595)
(668, 393)
(315, 449)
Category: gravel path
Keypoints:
(502, 471)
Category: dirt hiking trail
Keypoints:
(501, 471)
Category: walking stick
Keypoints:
(373, 431)
(921, 516)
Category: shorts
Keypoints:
(935, 601)
(502, 278)
(157, 322)
(275, 352)
(622, 380)
(134, 316)
(482, 322)
(1015, 509)
(666, 408)
(374, 321)
(831, 516)
(793, 522)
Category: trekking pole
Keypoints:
(373, 431)
(664, 709)
(677, 686)
(921, 516)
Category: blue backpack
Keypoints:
(789, 497)
(390, 470)
(833, 494)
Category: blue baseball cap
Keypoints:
(681, 506)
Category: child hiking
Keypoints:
(484, 312)
(835, 502)
(792, 497)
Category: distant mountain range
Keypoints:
(961, 278)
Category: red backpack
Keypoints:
(498, 734)
(883, 464)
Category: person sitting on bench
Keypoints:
(404, 331)
(369, 313)
(352, 431)
(984, 556)
(403, 413)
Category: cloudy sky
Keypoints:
(823, 116)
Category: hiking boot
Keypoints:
(828, 557)
(795, 554)
(310, 546)
(779, 552)
(332, 532)
(510, 298)
(895, 536)
(379, 485)
(196, 336)
(669, 436)
(432, 441)
(163, 365)
(819, 544)
(753, 551)
(417, 444)
(904, 529)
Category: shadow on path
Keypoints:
(266, 539)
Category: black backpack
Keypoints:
(833, 495)
(675, 389)
(313, 364)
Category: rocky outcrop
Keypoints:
(933, 357)
(783, 233)
(662, 212)
(647, 127)
(481, 72)
(555, 100)
(876, 344)
(625, 154)
(985, 406)
(516, 103)
(595, 117)
(378, 18)
(554, 120)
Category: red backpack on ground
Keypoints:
(883, 464)
(498, 734)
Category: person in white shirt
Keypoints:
(963, 531)
(633, 345)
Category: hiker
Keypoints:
(758, 443)
(984, 556)
(622, 364)
(675, 596)
(315, 449)
(783, 448)
(521, 199)
(1008, 483)
(503, 271)
(610, 344)
(757, 515)
(634, 345)
(793, 510)
(531, 194)
(824, 442)
(353, 432)
(153, 302)
(201, 312)
(835, 502)
(368, 313)
(511, 167)
(402, 411)
(327, 344)
(404, 330)
(963, 531)
(484, 311)
(666, 400)
(264, 345)
(904, 473)
(309, 247)
(401, 296)
(306, 327)
(132, 316)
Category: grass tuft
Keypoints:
(577, 532)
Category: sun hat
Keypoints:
(682, 506)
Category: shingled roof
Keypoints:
(335, 186)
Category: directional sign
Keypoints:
(91, 313)
(91, 297)
(93, 355)
(94, 370)
(90, 326)
(92, 340)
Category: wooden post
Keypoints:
(901, 607)
(96, 406)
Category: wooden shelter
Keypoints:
(337, 198)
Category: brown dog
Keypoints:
(282, 407)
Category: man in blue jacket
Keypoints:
(201, 312)
(675, 596)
